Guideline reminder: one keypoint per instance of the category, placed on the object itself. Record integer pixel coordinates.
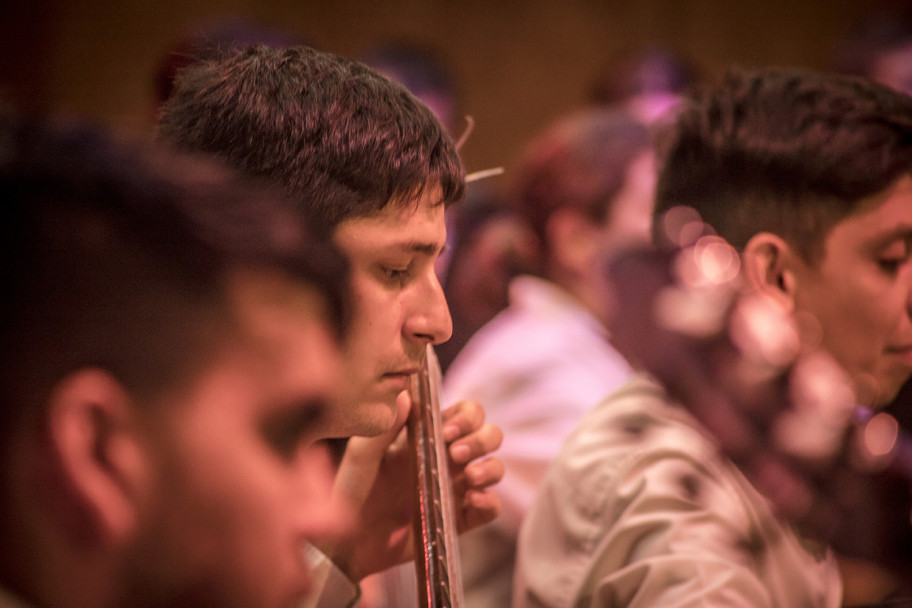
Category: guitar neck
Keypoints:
(436, 554)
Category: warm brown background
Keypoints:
(520, 62)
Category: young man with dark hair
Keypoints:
(809, 177)
(371, 166)
(171, 342)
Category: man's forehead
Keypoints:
(417, 225)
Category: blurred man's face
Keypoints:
(860, 291)
(399, 307)
(237, 485)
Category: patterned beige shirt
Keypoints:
(641, 510)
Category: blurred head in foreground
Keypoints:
(170, 342)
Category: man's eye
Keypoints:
(893, 257)
(890, 265)
(396, 274)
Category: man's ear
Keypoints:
(768, 266)
(96, 453)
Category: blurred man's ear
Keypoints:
(767, 261)
(95, 454)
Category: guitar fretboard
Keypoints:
(439, 580)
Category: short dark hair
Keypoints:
(342, 140)
(114, 255)
(580, 162)
(787, 151)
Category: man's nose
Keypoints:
(429, 318)
(909, 297)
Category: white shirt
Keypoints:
(331, 588)
(537, 367)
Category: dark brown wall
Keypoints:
(520, 63)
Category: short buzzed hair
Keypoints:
(791, 152)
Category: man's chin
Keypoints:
(890, 392)
(369, 419)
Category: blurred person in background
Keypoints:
(648, 82)
(879, 47)
(210, 39)
(425, 72)
(583, 188)
(490, 247)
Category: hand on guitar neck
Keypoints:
(783, 411)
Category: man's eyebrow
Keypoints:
(896, 233)
(422, 247)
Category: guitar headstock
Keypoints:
(777, 404)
